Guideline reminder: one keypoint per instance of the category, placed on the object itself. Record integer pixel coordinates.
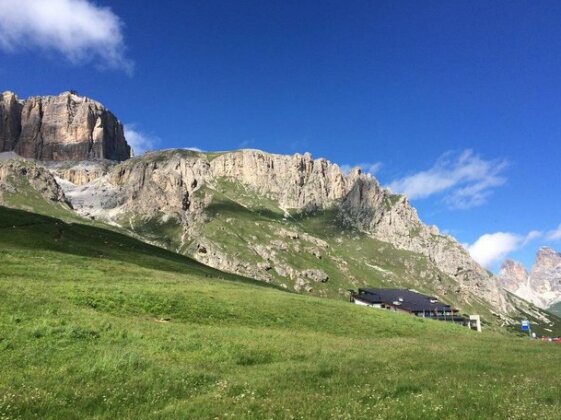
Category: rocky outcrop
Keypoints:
(80, 173)
(301, 183)
(513, 275)
(158, 186)
(542, 286)
(63, 127)
(20, 177)
(390, 218)
(10, 121)
(296, 182)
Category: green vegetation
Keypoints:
(30, 199)
(96, 324)
(391, 200)
(528, 311)
(556, 309)
(212, 155)
(234, 192)
(162, 156)
(163, 230)
(240, 219)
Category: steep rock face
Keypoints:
(81, 173)
(390, 218)
(63, 127)
(513, 275)
(297, 182)
(155, 186)
(163, 186)
(10, 121)
(542, 286)
(545, 277)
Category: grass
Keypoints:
(556, 309)
(96, 324)
(239, 219)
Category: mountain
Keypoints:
(542, 286)
(63, 127)
(292, 221)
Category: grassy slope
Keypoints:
(556, 309)
(240, 218)
(93, 323)
(235, 228)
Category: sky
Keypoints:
(455, 104)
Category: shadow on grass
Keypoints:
(31, 231)
(233, 209)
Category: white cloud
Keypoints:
(368, 167)
(465, 179)
(140, 142)
(194, 149)
(554, 235)
(534, 234)
(491, 248)
(80, 30)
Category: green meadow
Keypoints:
(96, 324)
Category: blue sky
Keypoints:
(457, 104)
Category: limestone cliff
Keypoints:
(390, 218)
(296, 182)
(542, 286)
(513, 275)
(10, 121)
(63, 127)
(20, 178)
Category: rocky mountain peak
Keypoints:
(62, 127)
(542, 286)
(512, 275)
(514, 267)
(547, 258)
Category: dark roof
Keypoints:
(408, 299)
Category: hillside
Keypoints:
(297, 222)
(94, 323)
(556, 309)
(291, 221)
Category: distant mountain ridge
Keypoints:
(58, 128)
(542, 285)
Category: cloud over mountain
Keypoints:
(491, 248)
(464, 179)
(139, 141)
